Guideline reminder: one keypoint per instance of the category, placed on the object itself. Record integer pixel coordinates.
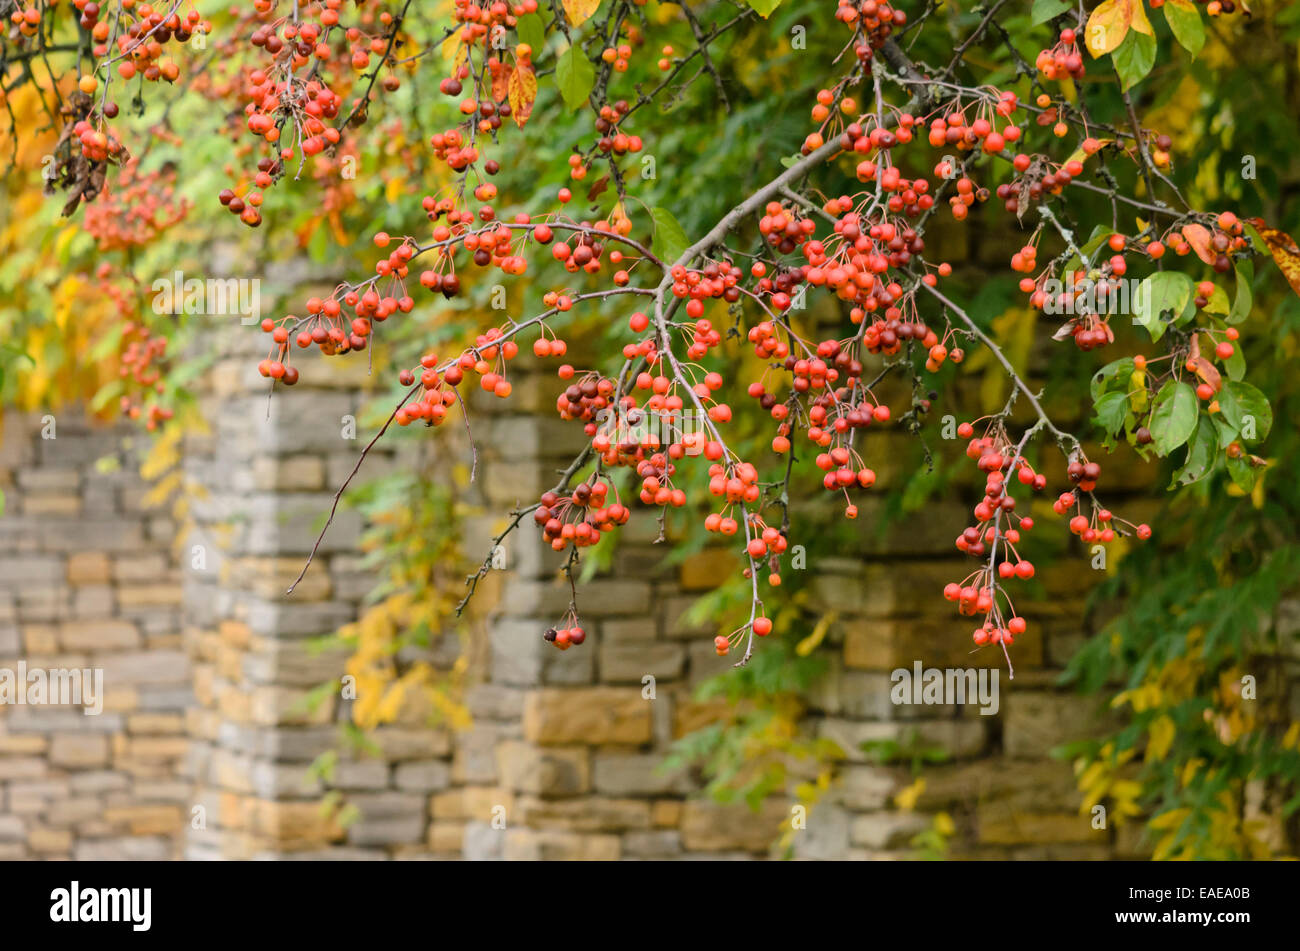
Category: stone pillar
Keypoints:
(263, 478)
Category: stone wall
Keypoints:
(563, 757)
(578, 745)
(205, 746)
(88, 580)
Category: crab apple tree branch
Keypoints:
(894, 151)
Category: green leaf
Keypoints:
(1045, 10)
(1261, 247)
(670, 241)
(764, 8)
(1185, 22)
(1174, 416)
(1235, 364)
(576, 76)
(532, 31)
(318, 246)
(1242, 472)
(1134, 58)
(1244, 299)
(1111, 410)
(1106, 378)
(1202, 453)
(1247, 410)
(106, 394)
(111, 340)
(1162, 291)
(1100, 234)
(1226, 433)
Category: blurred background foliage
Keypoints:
(1180, 622)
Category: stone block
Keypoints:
(550, 771)
(594, 716)
(709, 827)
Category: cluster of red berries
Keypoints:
(585, 251)
(291, 105)
(768, 540)
(28, 21)
(565, 637)
(738, 483)
(578, 519)
(870, 258)
(1097, 527)
(980, 592)
(873, 22)
(611, 139)
(482, 22)
(995, 533)
(1214, 8)
(1037, 178)
(452, 148)
(136, 208)
(761, 625)
(141, 34)
(996, 458)
(97, 145)
(584, 399)
(656, 472)
(140, 45)
(1213, 244)
(1062, 60)
(844, 469)
(779, 285)
(952, 130)
(908, 196)
(141, 354)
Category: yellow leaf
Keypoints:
(906, 799)
(523, 92)
(1079, 155)
(809, 643)
(1283, 248)
(1257, 493)
(580, 11)
(65, 239)
(1125, 790)
(1014, 330)
(1163, 848)
(458, 54)
(1138, 390)
(1291, 740)
(394, 189)
(1170, 819)
(1108, 26)
(162, 489)
(1140, 21)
